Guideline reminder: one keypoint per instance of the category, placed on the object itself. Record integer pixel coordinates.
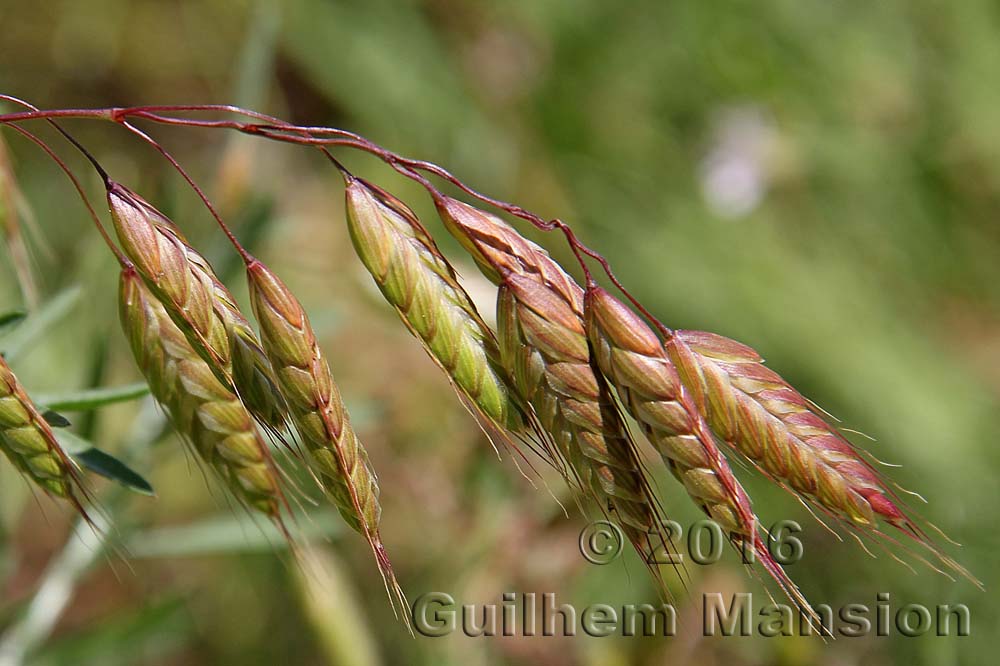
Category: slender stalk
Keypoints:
(122, 259)
(65, 169)
(347, 139)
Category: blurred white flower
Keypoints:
(734, 174)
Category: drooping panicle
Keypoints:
(318, 412)
(421, 285)
(202, 409)
(197, 302)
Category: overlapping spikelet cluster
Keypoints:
(217, 381)
(204, 410)
(564, 351)
(543, 345)
(564, 367)
(197, 302)
(563, 345)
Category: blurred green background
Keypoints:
(817, 179)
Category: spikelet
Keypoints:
(29, 443)
(633, 359)
(757, 413)
(421, 285)
(318, 411)
(203, 410)
(197, 302)
(544, 345)
(760, 415)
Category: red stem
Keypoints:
(122, 259)
(277, 130)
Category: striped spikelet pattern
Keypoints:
(633, 359)
(543, 344)
(29, 443)
(421, 285)
(760, 415)
(631, 356)
(318, 411)
(202, 409)
(197, 302)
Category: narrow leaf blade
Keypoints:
(11, 318)
(91, 399)
(109, 467)
(55, 419)
(93, 459)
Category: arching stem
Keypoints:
(122, 259)
(279, 130)
(247, 258)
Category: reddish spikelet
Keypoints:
(633, 359)
(759, 414)
(304, 378)
(543, 344)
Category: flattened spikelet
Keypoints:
(29, 443)
(544, 345)
(197, 302)
(632, 357)
(201, 408)
(318, 411)
(420, 284)
(760, 415)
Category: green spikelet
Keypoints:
(29, 443)
(197, 302)
(420, 284)
(318, 411)
(202, 409)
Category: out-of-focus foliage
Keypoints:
(817, 179)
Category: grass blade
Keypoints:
(91, 399)
(100, 462)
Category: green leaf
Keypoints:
(11, 318)
(92, 458)
(55, 419)
(226, 534)
(108, 466)
(39, 322)
(91, 399)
